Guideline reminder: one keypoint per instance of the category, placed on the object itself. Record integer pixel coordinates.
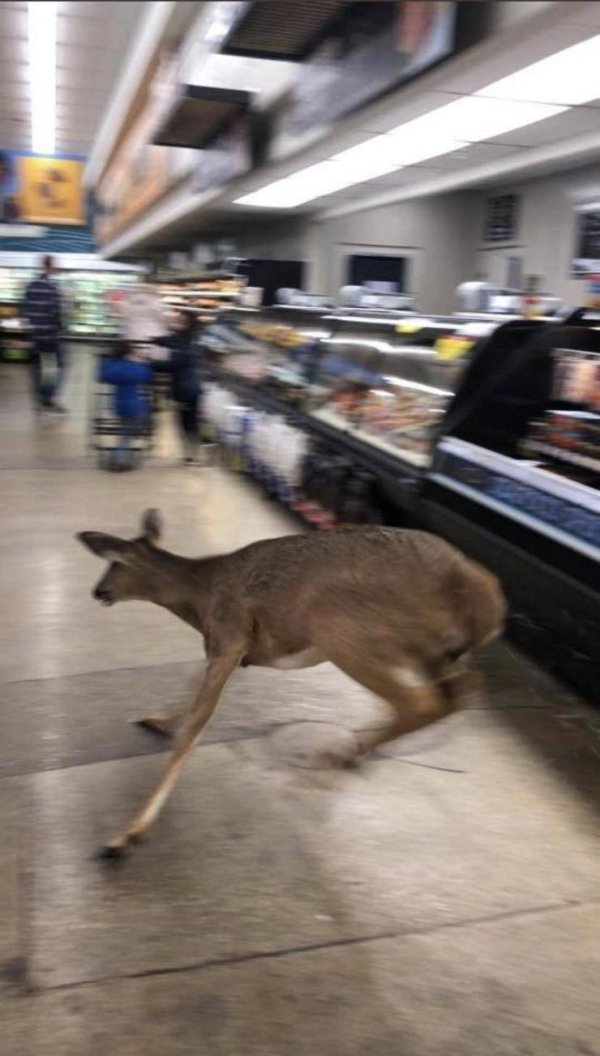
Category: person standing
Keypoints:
(41, 308)
(184, 368)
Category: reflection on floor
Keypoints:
(441, 901)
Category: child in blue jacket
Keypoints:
(131, 406)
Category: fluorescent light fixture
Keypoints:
(42, 74)
(472, 119)
(469, 119)
(570, 77)
(323, 178)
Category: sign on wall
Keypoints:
(41, 190)
(587, 249)
(501, 218)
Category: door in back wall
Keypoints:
(272, 275)
(366, 269)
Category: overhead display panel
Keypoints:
(198, 114)
(370, 49)
(259, 31)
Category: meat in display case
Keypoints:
(272, 348)
(387, 382)
(382, 380)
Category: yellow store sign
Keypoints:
(51, 190)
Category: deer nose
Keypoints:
(102, 595)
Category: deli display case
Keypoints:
(515, 481)
(369, 384)
(485, 431)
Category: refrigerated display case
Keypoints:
(486, 432)
(515, 481)
(90, 297)
(273, 349)
(387, 381)
(371, 385)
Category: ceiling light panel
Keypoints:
(472, 119)
(570, 77)
(312, 182)
(42, 74)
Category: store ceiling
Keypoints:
(564, 140)
(92, 42)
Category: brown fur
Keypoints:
(399, 611)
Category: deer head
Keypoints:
(128, 576)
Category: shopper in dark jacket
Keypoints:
(41, 309)
(184, 366)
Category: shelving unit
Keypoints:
(207, 294)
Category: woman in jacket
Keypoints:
(183, 366)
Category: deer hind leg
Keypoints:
(415, 699)
(166, 725)
(215, 677)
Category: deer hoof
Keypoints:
(112, 852)
(157, 725)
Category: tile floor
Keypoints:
(441, 901)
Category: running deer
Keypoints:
(399, 611)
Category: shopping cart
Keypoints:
(111, 436)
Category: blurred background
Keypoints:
(374, 230)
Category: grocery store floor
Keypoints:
(444, 899)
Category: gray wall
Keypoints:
(277, 241)
(547, 230)
(435, 233)
(442, 236)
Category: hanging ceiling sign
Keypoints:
(229, 156)
(370, 49)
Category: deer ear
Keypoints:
(152, 525)
(110, 547)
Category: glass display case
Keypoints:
(387, 380)
(383, 378)
(89, 298)
(565, 438)
(272, 348)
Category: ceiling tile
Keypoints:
(574, 122)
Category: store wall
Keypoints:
(547, 230)
(286, 241)
(436, 234)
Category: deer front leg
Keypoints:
(215, 677)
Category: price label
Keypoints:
(409, 326)
(452, 347)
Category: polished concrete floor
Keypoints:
(443, 900)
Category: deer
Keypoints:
(398, 610)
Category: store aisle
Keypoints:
(441, 900)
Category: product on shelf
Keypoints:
(566, 438)
(207, 296)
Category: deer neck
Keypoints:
(184, 587)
